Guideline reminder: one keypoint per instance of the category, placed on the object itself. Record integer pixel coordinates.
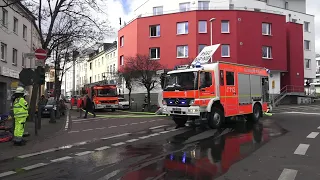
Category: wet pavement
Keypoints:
(186, 153)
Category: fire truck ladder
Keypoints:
(285, 91)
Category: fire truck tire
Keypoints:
(256, 113)
(215, 118)
(180, 120)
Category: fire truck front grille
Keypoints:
(180, 102)
(109, 102)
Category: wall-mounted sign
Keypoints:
(9, 72)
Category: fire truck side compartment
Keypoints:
(249, 88)
(256, 87)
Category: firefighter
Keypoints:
(20, 112)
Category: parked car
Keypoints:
(123, 103)
(52, 105)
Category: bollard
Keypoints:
(52, 116)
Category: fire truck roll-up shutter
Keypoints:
(250, 88)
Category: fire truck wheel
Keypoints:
(215, 118)
(179, 120)
(256, 113)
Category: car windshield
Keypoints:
(181, 81)
(106, 92)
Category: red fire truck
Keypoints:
(104, 96)
(215, 92)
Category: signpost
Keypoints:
(41, 56)
(205, 55)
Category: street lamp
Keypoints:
(211, 20)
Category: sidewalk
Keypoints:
(47, 131)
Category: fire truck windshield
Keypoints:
(181, 81)
(106, 92)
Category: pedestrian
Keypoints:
(72, 102)
(89, 107)
(20, 112)
(81, 105)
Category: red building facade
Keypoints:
(246, 37)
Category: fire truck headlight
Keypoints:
(191, 102)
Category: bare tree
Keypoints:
(143, 70)
(126, 75)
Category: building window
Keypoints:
(23, 61)
(90, 80)
(266, 28)
(90, 67)
(286, 5)
(200, 47)
(182, 51)
(14, 56)
(306, 45)
(294, 20)
(182, 28)
(121, 41)
(230, 78)
(266, 52)
(203, 5)
(318, 63)
(155, 31)
(202, 26)
(3, 52)
(121, 60)
(4, 17)
(158, 10)
(306, 27)
(307, 63)
(184, 7)
(225, 50)
(25, 32)
(154, 53)
(114, 68)
(225, 26)
(102, 60)
(15, 25)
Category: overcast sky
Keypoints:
(125, 8)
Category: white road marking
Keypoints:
(152, 120)
(288, 174)
(301, 149)
(118, 144)
(119, 135)
(73, 131)
(101, 128)
(8, 173)
(163, 132)
(102, 148)
(34, 166)
(144, 137)
(112, 126)
(87, 119)
(96, 120)
(87, 130)
(67, 122)
(318, 127)
(156, 127)
(305, 113)
(313, 135)
(61, 159)
(143, 122)
(84, 153)
(132, 140)
(155, 134)
(38, 153)
(124, 125)
(133, 123)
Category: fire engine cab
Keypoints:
(215, 92)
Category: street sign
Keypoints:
(206, 53)
(160, 71)
(28, 55)
(40, 54)
(26, 76)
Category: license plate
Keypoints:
(176, 109)
(45, 112)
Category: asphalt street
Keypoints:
(283, 146)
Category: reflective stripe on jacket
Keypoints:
(20, 108)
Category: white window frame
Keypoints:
(121, 60)
(200, 23)
(286, 5)
(306, 26)
(268, 30)
(225, 22)
(201, 5)
(185, 6)
(15, 25)
(14, 56)
(121, 41)
(307, 61)
(223, 46)
(3, 55)
(185, 51)
(157, 49)
(304, 44)
(4, 20)
(185, 29)
(269, 52)
(158, 10)
(157, 30)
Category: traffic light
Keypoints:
(40, 75)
